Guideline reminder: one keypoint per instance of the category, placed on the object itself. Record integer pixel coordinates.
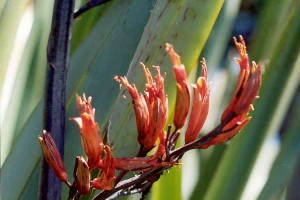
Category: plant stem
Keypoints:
(54, 112)
(129, 182)
(89, 5)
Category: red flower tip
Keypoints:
(52, 156)
(241, 47)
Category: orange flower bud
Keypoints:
(200, 106)
(106, 179)
(52, 156)
(140, 107)
(90, 131)
(248, 84)
(82, 176)
(183, 95)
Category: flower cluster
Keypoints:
(151, 112)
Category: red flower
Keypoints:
(200, 106)
(151, 108)
(52, 156)
(90, 131)
(183, 95)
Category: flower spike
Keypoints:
(235, 116)
(248, 84)
(151, 112)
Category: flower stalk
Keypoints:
(151, 111)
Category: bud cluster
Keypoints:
(151, 113)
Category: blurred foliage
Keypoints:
(111, 40)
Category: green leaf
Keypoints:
(94, 65)
(161, 28)
(8, 31)
(22, 160)
(11, 14)
(173, 22)
(294, 183)
(91, 70)
(85, 23)
(279, 80)
(285, 162)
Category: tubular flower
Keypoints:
(248, 85)
(140, 108)
(200, 106)
(106, 179)
(183, 95)
(82, 175)
(151, 108)
(235, 117)
(90, 131)
(157, 104)
(52, 156)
